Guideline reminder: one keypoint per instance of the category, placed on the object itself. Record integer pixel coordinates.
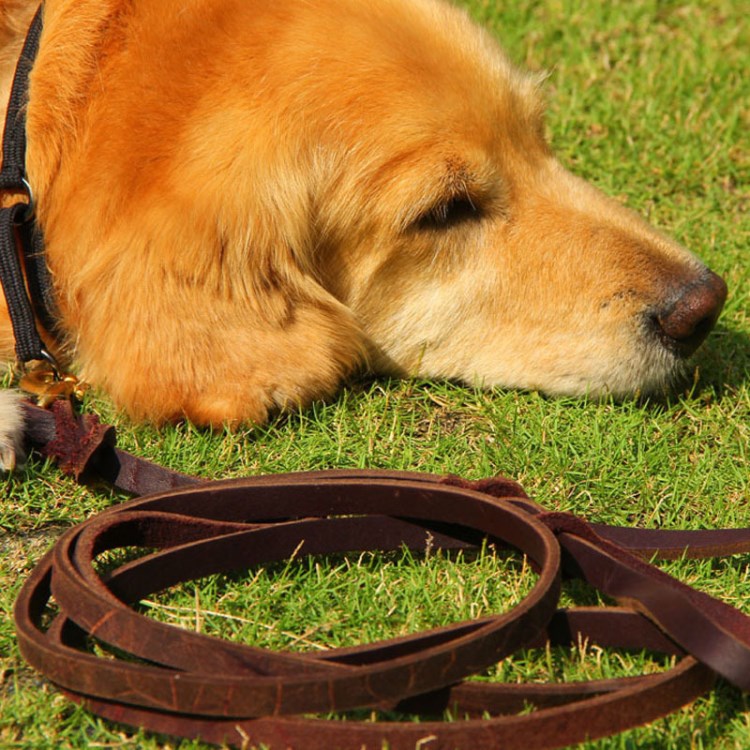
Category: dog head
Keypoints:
(463, 246)
(326, 182)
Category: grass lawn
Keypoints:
(650, 100)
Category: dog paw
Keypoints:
(11, 431)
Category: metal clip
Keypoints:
(30, 211)
(43, 379)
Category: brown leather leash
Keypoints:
(191, 685)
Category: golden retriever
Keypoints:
(244, 201)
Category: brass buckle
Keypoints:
(43, 379)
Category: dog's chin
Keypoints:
(632, 367)
(654, 372)
(639, 366)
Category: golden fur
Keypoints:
(245, 201)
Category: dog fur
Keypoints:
(244, 202)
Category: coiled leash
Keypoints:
(191, 685)
(195, 686)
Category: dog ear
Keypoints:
(181, 241)
(201, 305)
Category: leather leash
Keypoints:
(192, 685)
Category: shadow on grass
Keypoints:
(724, 360)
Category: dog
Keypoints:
(245, 202)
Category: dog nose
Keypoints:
(685, 321)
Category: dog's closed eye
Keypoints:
(448, 213)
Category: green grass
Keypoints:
(648, 99)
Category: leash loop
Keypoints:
(198, 687)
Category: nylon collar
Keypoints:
(24, 275)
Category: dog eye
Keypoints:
(446, 214)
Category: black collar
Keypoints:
(20, 238)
